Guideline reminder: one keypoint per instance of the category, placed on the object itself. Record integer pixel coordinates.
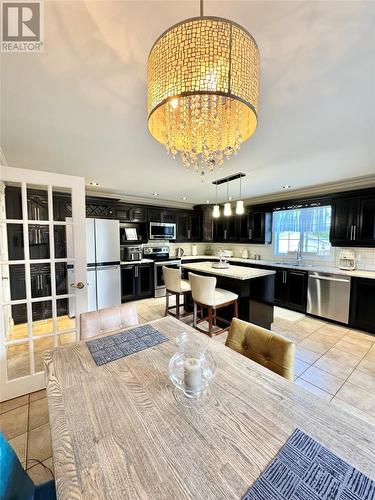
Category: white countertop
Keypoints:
(234, 272)
(143, 261)
(359, 273)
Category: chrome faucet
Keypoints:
(299, 253)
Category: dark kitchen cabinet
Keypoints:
(353, 222)
(138, 214)
(255, 227)
(297, 290)
(128, 282)
(161, 215)
(100, 208)
(169, 217)
(136, 281)
(123, 214)
(281, 287)
(131, 214)
(291, 289)
(145, 281)
(182, 227)
(244, 227)
(194, 229)
(207, 223)
(365, 228)
(188, 227)
(225, 228)
(155, 215)
(343, 220)
(362, 304)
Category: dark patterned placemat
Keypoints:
(305, 470)
(119, 345)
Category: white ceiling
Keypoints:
(80, 107)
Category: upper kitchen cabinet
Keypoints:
(255, 227)
(207, 223)
(365, 227)
(125, 213)
(353, 221)
(155, 214)
(168, 216)
(343, 219)
(226, 228)
(161, 215)
(188, 227)
(100, 208)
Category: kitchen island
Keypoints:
(254, 287)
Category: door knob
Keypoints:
(78, 285)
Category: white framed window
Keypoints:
(307, 227)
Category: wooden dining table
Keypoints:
(119, 433)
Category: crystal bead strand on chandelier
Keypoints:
(201, 129)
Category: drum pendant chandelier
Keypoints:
(203, 90)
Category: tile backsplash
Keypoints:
(365, 257)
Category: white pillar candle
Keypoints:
(192, 374)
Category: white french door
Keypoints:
(42, 272)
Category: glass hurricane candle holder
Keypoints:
(192, 369)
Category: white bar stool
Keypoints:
(174, 286)
(206, 295)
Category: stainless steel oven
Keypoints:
(160, 256)
(159, 285)
(162, 231)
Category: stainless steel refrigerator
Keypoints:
(103, 265)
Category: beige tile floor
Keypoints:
(333, 362)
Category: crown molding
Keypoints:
(139, 200)
(362, 182)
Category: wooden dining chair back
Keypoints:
(108, 320)
(267, 348)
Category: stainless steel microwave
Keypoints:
(162, 231)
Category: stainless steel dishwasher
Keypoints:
(328, 296)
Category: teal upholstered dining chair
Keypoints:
(15, 484)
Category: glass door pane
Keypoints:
(38, 262)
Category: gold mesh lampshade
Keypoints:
(203, 90)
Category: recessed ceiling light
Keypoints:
(207, 201)
(230, 198)
(183, 198)
(287, 186)
(93, 183)
(155, 194)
